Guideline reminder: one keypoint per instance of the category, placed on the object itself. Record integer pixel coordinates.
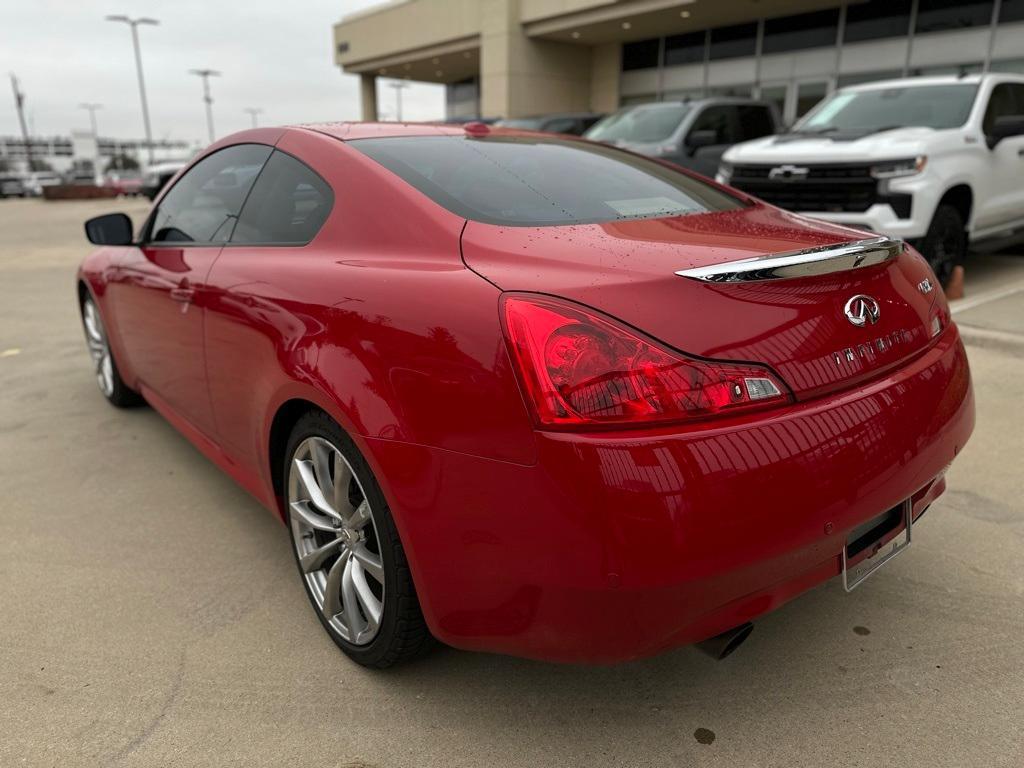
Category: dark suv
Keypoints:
(573, 123)
(693, 134)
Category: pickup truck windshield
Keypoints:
(640, 125)
(883, 109)
(534, 181)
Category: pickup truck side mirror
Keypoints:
(1005, 127)
(111, 229)
(697, 139)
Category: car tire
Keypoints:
(108, 377)
(945, 244)
(362, 589)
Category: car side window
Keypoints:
(719, 120)
(1006, 99)
(204, 203)
(288, 205)
(755, 121)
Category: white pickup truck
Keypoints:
(938, 161)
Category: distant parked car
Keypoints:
(80, 177)
(36, 180)
(694, 134)
(936, 161)
(572, 123)
(124, 183)
(469, 119)
(156, 177)
(12, 185)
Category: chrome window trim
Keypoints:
(821, 260)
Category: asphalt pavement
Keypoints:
(151, 613)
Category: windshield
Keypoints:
(640, 125)
(882, 109)
(527, 181)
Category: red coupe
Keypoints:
(528, 394)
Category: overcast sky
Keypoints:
(274, 55)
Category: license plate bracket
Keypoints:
(856, 574)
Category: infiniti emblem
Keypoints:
(862, 310)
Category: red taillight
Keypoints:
(579, 368)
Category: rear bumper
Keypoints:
(619, 545)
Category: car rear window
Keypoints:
(529, 181)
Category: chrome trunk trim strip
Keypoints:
(821, 260)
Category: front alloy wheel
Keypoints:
(347, 548)
(108, 377)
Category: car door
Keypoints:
(252, 314)
(1005, 203)
(158, 288)
(719, 119)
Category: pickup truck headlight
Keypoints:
(724, 172)
(893, 169)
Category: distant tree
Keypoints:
(40, 165)
(122, 162)
(5, 164)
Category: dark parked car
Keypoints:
(574, 124)
(693, 134)
(12, 185)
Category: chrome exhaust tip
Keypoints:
(720, 646)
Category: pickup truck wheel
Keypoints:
(945, 245)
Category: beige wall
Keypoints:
(520, 76)
(404, 27)
(605, 69)
(534, 10)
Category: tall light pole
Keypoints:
(19, 105)
(134, 24)
(206, 74)
(399, 86)
(253, 112)
(92, 107)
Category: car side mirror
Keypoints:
(1005, 127)
(697, 139)
(111, 229)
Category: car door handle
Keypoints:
(184, 295)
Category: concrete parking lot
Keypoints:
(151, 614)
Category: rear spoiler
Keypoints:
(821, 260)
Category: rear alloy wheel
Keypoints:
(107, 376)
(347, 549)
(945, 245)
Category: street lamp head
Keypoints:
(133, 22)
(204, 72)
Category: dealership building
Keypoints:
(518, 58)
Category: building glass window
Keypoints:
(733, 42)
(808, 30)
(1011, 10)
(939, 15)
(684, 49)
(877, 19)
(640, 55)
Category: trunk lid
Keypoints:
(798, 325)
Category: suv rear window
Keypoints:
(528, 181)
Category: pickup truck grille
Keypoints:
(827, 188)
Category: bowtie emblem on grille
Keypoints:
(788, 173)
